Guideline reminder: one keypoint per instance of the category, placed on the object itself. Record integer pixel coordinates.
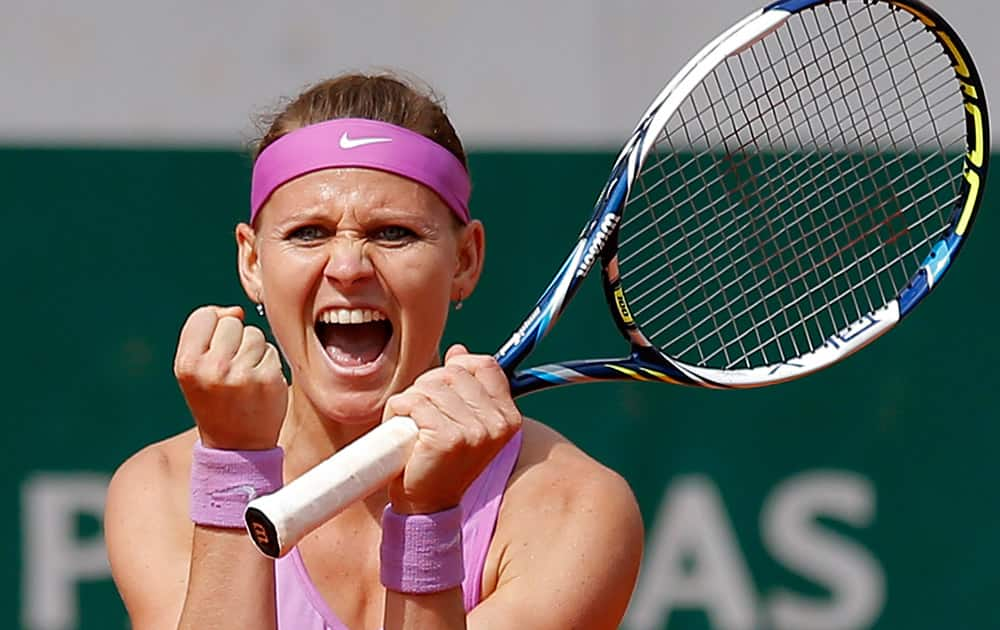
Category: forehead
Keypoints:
(355, 189)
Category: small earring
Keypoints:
(260, 309)
(458, 303)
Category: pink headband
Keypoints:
(355, 142)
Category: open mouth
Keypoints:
(353, 337)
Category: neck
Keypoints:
(308, 438)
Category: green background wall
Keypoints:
(105, 252)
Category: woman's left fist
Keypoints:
(465, 414)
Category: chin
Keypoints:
(354, 408)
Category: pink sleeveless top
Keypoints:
(301, 607)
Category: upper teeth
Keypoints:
(350, 316)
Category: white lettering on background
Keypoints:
(54, 557)
(693, 559)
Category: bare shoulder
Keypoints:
(569, 539)
(158, 471)
(146, 525)
(555, 473)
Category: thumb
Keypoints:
(455, 350)
(229, 311)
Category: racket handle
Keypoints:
(278, 521)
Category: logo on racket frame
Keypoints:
(602, 236)
(516, 338)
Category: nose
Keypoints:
(347, 262)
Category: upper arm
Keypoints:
(147, 540)
(573, 540)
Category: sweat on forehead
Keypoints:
(360, 143)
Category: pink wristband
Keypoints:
(422, 553)
(223, 482)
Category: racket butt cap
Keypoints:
(263, 533)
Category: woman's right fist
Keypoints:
(231, 379)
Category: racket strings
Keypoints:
(800, 161)
(819, 287)
(711, 252)
(872, 124)
(793, 191)
(708, 253)
(786, 271)
(771, 236)
(720, 177)
(815, 227)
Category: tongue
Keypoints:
(354, 344)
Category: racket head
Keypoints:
(794, 192)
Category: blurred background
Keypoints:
(860, 497)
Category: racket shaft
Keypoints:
(278, 521)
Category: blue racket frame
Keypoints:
(645, 363)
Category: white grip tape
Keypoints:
(352, 473)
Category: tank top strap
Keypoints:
(481, 507)
(301, 606)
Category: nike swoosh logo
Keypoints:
(351, 143)
(247, 491)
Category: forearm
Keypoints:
(434, 611)
(231, 585)
(422, 569)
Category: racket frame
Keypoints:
(278, 521)
(646, 362)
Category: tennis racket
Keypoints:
(791, 195)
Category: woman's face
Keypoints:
(356, 269)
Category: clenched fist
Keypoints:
(231, 379)
(465, 415)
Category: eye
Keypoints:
(394, 234)
(308, 233)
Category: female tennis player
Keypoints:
(358, 240)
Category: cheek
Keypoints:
(288, 283)
(287, 276)
(427, 294)
(423, 285)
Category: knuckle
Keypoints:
(430, 377)
(477, 435)
(253, 334)
(452, 372)
(228, 321)
(260, 377)
(400, 403)
(219, 369)
(452, 440)
(486, 361)
(497, 424)
(421, 403)
(493, 371)
(191, 368)
(184, 366)
(508, 415)
(205, 311)
(395, 399)
(514, 421)
(476, 362)
(272, 358)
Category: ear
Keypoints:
(471, 254)
(248, 262)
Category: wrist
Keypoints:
(411, 508)
(422, 553)
(224, 481)
(403, 502)
(236, 443)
